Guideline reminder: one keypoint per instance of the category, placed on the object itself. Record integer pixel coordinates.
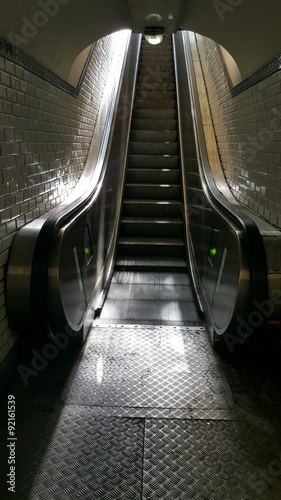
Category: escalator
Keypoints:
(154, 222)
(150, 283)
(152, 228)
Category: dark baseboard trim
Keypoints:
(15, 55)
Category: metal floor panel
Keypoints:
(74, 455)
(211, 461)
(157, 368)
(147, 413)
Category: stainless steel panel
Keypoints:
(100, 219)
(226, 252)
(61, 263)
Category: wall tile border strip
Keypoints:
(15, 55)
(261, 74)
(269, 69)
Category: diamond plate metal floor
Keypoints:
(155, 371)
(146, 413)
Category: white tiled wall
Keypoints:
(248, 131)
(44, 135)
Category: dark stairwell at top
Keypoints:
(150, 284)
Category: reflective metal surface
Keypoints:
(60, 265)
(229, 265)
(146, 413)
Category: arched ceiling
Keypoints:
(54, 32)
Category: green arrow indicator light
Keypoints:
(213, 251)
(87, 250)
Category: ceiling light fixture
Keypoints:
(154, 36)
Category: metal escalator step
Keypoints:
(153, 161)
(153, 175)
(162, 60)
(131, 277)
(145, 291)
(153, 51)
(155, 76)
(152, 208)
(153, 135)
(154, 124)
(142, 263)
(153, 191)
(150, 226)
(159, 86)
(154, 114)
(148, 64)
(157, 247)
(152, 94)
(153, 148)
(155, 104)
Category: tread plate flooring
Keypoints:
(146, 413)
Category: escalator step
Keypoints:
(152, 208)
(154, 114)
(154, 135)
(162, 60)
(157, 247)
(154, 124)
(153, 148)
(159, 86)
(153, 161)
(153, 175)
(155, 76)
(137, 226)
(153, 94)
(143, 263)
(153, 191)
(155, 104)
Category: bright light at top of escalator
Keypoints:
(154, 39)
(154, 35)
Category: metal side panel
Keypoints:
(18, 279)
(38, 274)
(227, 255)
(81, 259)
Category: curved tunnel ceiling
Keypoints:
(55, 32)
